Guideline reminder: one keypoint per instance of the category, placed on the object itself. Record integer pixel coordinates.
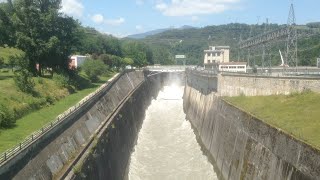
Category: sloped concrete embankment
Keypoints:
(108, 157)
(243, 146)
(51, 154)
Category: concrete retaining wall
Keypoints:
(108, 157)
(249, 85)
(235, 85)
(243, 146)
(202, 81)
(51, 154)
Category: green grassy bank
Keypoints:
(34, 112)
(35, 120)
(297, 114)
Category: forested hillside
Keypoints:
(36, 42)
(192, 42)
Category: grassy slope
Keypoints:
(22, 102)
(35, 120)
(296, 114)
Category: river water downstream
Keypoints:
(167, 147)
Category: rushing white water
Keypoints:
(167, 147)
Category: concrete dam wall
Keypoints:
(50, 155)
(228, 84)
(96, 141)
(243, 146)
(249, 85)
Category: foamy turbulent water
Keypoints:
(167, 147)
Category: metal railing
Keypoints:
(12, 152)
(168, 68)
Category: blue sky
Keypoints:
(125, 17)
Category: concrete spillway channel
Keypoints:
(166, 125)
(151, 140)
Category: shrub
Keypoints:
(80, 82)
(40, 80)
(12, 61)
(61, 79)
(93, 69)
(6, 117)
(1, 62)
(24, 82)
(50, 100)
(71, 80)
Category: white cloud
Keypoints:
(1, 1)
(97, 18)
(194, 7)
(72, 7)
(139, 2)
(139, 27)
(194, 18)
(161, 6)
(115, 22)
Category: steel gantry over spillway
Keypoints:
(289, 33)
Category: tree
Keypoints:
(313, 25)
(93, 42)
(162, 55)
(6, 26)
(128, 61)
(107, 59)
(44, 34)
(139, 52)
(93, 69)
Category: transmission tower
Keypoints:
(248, 57)
(239, 50)
(264, 47)
(292, 55)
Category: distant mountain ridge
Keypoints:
(157, 31)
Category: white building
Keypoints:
(76, 61)
(217, 57)
(233, 67)
(216, 54)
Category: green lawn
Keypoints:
(296, 114)
(35, 120)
